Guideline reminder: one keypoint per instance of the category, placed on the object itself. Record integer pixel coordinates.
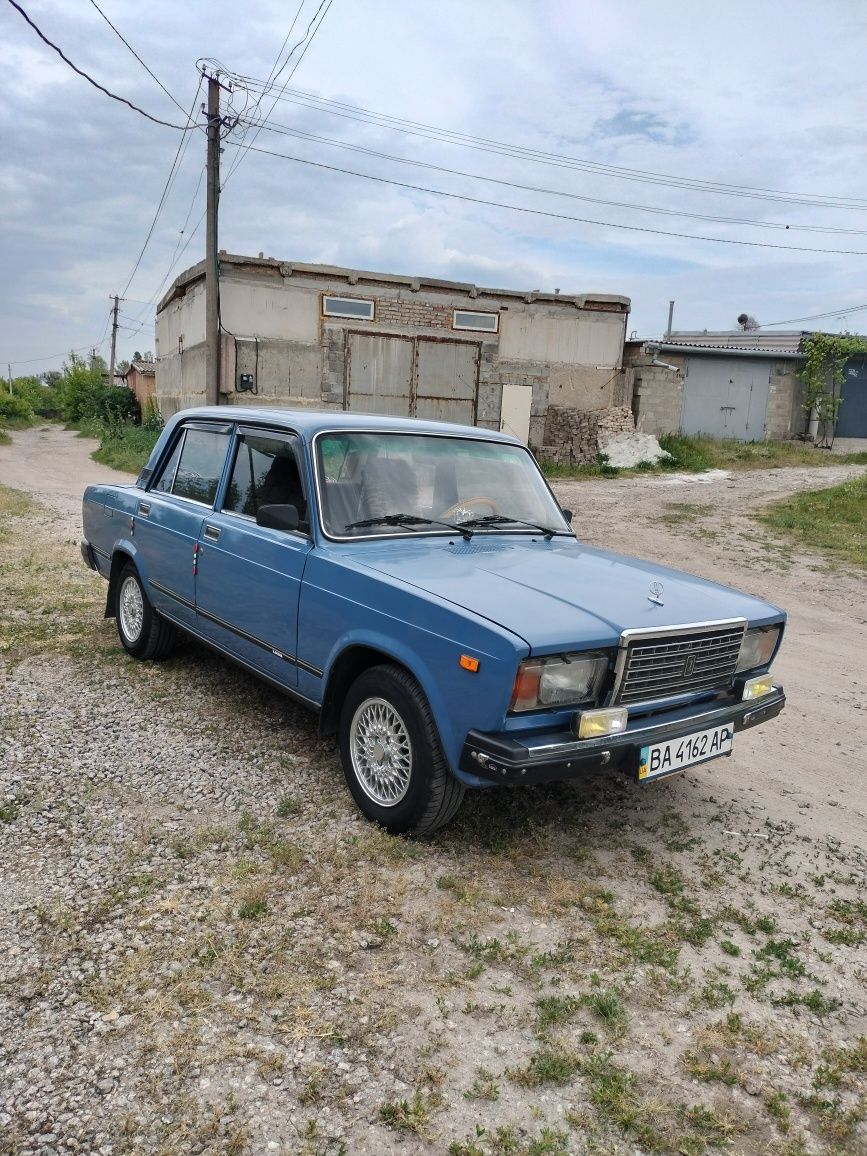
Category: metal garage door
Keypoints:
(852, 421)
(412, 376)
(446, 377)
(379, 374)
(726, 397)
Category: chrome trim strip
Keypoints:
(290, 658)
(101, 553)
(317, 706)
(171, 594)
(705, 718)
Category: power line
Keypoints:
(548, 213)
(286, 130)
(123, 40)
(814, 316)
(182, 145)
(54, 356)
(89, 79)
(558, 160)
(308, 37)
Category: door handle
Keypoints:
(212, 533)
(144, 508)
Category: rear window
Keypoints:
(196, 464)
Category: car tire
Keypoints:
(142, 632)
(392, 756)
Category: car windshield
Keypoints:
(396, 483)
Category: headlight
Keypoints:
(757, 648)
(559, 681)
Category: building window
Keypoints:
(354, 307)
(482, 322)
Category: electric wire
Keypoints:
(813, 316)
(548, 213)
(307, 39)
(147, 69)
(559, 160)
(89, 79)
(286, 130)
(181, 149)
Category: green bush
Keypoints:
(42, 399)
(14, 410)
(125, 446)
(88, 398)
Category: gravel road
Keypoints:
(204, 949)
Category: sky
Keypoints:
(765, 98)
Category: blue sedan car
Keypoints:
(418, 585)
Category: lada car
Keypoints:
(418, 585)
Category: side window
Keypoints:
(265, 473)
(166, 479)
(194, 468)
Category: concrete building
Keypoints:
(322, 336)
(737, 385)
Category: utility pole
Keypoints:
(113, 341)
(212, 308)
(9, 371)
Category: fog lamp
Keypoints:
(593, 724)
(757, 687)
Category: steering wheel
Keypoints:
(470, 506)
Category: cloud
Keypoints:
(730, 94)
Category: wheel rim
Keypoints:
(131, 609)
(381, 752)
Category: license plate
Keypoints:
(666, 758)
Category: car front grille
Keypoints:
(663, 667)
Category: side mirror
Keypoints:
(567, 514)
(278, 517)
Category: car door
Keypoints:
(168, 518)
(249, 576)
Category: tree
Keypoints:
(747, 322)
(823, 374)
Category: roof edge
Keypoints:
(355, 276)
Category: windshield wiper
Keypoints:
(409, 520)
(501, 519)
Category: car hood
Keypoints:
(559, 594)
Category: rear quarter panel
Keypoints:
(106, 515)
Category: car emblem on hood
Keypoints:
(656, 592)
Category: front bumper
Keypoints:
(545, 757)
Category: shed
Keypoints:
(725, 384)
(326, 336)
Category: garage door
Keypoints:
(726, 398)
(379, 374)
(446, 382)
(412, 377)
(852, 420)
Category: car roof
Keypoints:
(308, 422)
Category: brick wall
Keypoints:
(657, 400)
(418, 314)
(572, 435)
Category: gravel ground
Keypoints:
(204, 949)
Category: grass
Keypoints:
(125, 447)
(696, 454)
(832, 520)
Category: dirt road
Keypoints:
(205, 950)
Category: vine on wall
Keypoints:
(823, 375)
